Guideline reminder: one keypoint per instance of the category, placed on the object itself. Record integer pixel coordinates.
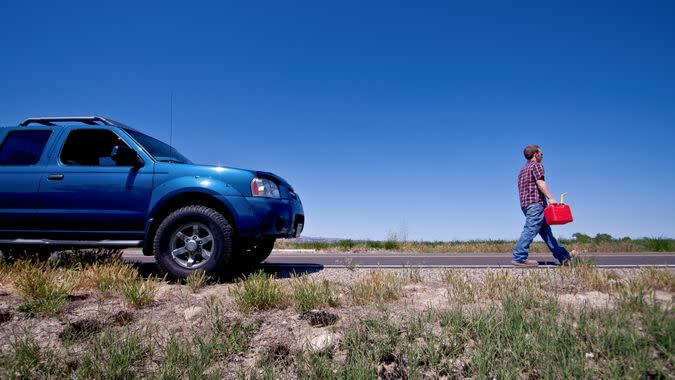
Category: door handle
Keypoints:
(55, 177)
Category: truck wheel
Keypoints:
(193, 238)
(256, 251)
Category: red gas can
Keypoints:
(558, 213)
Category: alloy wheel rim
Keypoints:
(192, 245)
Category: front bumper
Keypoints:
(272, 218)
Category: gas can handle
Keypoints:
(562, 198)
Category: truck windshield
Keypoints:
(158, 150)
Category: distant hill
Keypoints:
(309, 239)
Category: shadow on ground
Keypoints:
(147, 270)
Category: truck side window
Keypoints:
(90, 147)
(23, 148)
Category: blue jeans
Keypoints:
(536, 224)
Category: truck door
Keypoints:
(84, 189)
(22, 160)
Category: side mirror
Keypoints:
(125, 156)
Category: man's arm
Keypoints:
(541, 184)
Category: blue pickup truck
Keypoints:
(94, 182)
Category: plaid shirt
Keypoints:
(527, 184)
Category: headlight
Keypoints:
(261, 187)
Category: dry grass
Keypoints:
(499, 285)
(656, 278)
(590, 276)
(461, 290)
(106, 278)
(598, 244)
(413, 275)
(378, 287)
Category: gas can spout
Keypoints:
(562, 198)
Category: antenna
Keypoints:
(171, 129)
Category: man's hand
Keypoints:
(552, 201)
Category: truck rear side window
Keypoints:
(23, 148)
(90, 147)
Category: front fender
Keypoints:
(190, 184)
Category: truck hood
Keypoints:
(240, 179)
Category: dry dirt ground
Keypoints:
(283, 331)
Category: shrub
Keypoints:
(581, 238)
(346, 244)
(659, 244)
(603, 238)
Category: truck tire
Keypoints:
(193, 238)
(256, 251)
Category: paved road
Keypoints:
(481, 260)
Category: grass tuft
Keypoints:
(107, 278)
(112, 356)
(377, 286)
(44, 289)
(140, 293)
(258, 291)
(197, 280)
(309, 294)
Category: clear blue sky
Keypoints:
(386, 116)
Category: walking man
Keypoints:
(533, 195)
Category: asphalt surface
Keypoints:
(461, 260)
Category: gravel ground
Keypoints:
(176, 310)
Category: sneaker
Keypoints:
(525, 264)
